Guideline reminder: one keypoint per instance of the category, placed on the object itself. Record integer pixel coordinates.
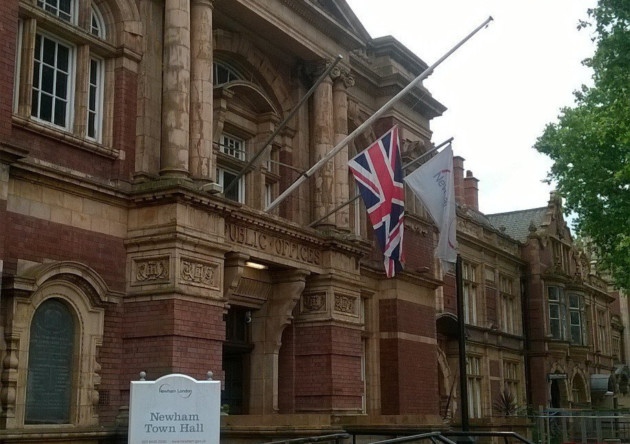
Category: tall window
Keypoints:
(51, 92)
(602, 336)
(511, 378)
(60, 82)
(509, 306)
(233, 149)
(576, 319)
(474, 383)
(557, 312)
(470, 285)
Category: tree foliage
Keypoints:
(590, 143)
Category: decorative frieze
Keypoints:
(151, 270)
(314, 302)
(345, 304)
(198, 273)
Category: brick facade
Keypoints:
(118, 210)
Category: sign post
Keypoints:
(175, 409)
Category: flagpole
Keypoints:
(307, 174)
(348, 202)
(283, 123)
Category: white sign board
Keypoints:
(175, 409)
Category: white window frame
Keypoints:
(97, 89)
(474, 382)
(470, 289)
(556, 298)
(70, 84)
(54, 10)
(234, 148)
(576, 319)
(509, 309)
(240, 187)
(511, 379)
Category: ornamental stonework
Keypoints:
(198, 273)
(151, 270)
(314, 302)
(345, 304)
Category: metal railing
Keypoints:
(337, 438)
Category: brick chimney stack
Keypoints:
(471, 191)
(458, 179)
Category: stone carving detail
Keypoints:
(9, 378)
(198, 273)
(345, 304)
(314, 302)
(156, 269)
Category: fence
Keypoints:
(581, 427)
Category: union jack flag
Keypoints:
(379, 175)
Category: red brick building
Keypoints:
(131, 241)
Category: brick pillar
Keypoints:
(8, 30)
(328, 368)
(201, 96)
(408, 360)
(173, 336)
(340, 120)
(458, 179)
(328, 348)
(174, 156)
(471, 191)
(323, 201)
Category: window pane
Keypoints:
(63, 58)
(60, 112)
(46, 104)
(50, 52)
(48, 79)
(36, 75)
(234, 193)
(61, 86)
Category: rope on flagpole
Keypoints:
(410, 163)
(307, 174)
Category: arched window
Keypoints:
(224, 73)
(49, 385)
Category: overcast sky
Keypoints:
(501, 87)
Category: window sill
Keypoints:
(70, 139)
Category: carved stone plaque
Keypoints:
(51, 350)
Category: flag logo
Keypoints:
(432, 183)
(378, 173)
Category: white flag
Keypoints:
(433, 185)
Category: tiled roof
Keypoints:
(516, 224)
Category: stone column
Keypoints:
(340, 119)
(323, 200)
(176, 89)
(201, 161)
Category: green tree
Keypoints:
(590, 143)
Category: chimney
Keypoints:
(471, 191)
(458, 179)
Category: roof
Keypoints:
(516, 224)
